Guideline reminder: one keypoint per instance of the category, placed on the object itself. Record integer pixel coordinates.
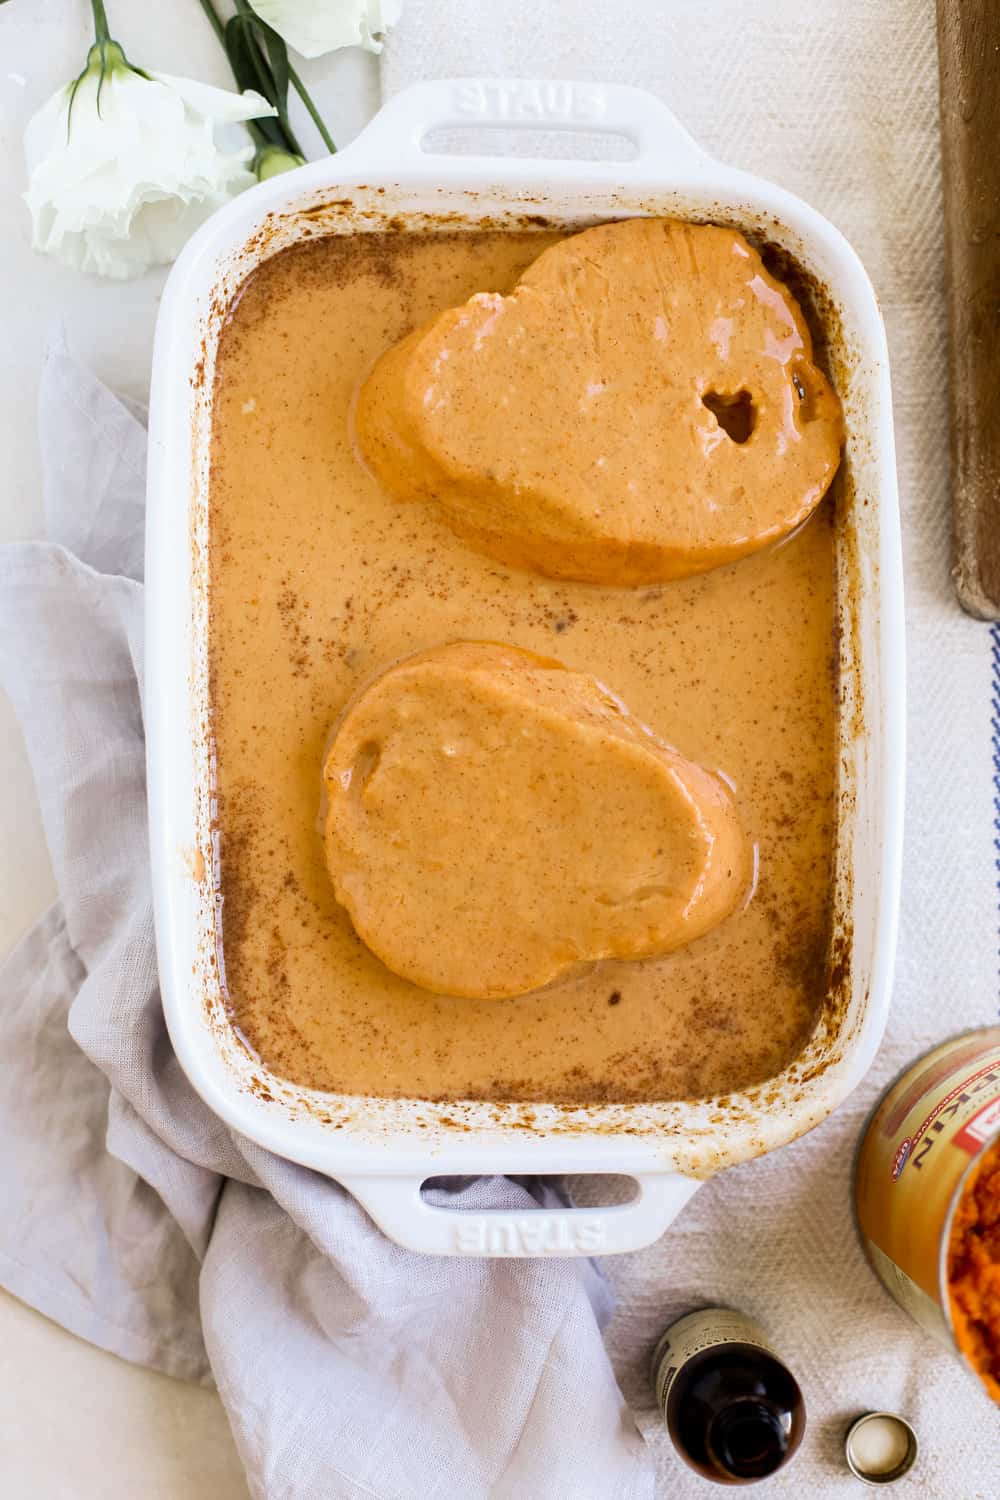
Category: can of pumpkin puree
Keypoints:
(927, 1196)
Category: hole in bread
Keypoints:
(736, 415)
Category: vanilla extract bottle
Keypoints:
(733, 1409)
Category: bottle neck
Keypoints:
(747, 1439)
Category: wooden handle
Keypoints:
(969, 51)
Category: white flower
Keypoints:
(313, 27)
(123, 165)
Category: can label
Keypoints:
(911, 1298)
(913, 1160)
(980, 1129)
(692, 1335)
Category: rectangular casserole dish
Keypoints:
(383, 1149)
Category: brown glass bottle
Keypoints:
(733, 1410)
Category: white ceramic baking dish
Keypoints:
(383, 1149)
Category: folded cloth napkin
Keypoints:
(348, 1367)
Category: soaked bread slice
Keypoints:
(494, 819)
(643, 406)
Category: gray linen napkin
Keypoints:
(348, 1367)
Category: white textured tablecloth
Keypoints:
(838, 102)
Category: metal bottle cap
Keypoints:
(880, 1447)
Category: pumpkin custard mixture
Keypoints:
(522, 650)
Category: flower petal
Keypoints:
(314, 27)
(47, 127)
(217, 104)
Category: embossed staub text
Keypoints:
(532, 1234)
(547, 103)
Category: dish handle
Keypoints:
(395, 137)
(396, 1205)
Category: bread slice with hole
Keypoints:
(644, 405)
(494, 820)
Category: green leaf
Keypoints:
(251, 72)
(274, 52)
(244, 60)
(259, 60)
(277, 56)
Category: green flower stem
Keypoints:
(102, 30)
(313, 112)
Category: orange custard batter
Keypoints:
(321, 581)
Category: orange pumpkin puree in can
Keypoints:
(974, 1270)
(927, 1196)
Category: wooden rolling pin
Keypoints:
(969, 53)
